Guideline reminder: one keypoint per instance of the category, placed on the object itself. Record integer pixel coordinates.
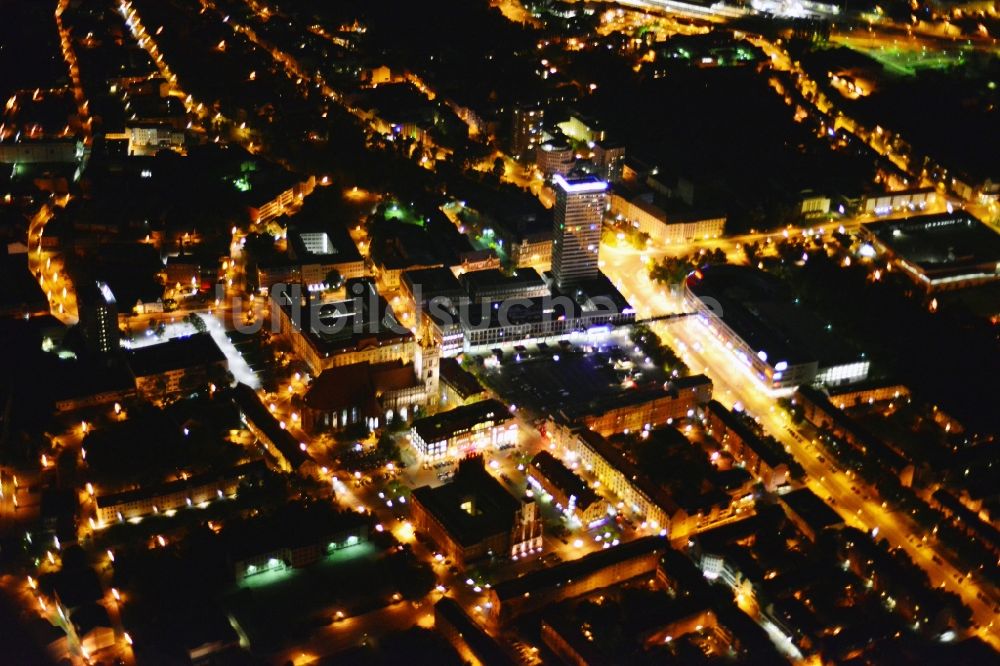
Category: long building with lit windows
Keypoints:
(780, 342)
(938, 252)
(177, 494)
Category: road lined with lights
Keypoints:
(849, 495)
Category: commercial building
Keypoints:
(758, 457)
(474, 517)
(494, 285)
(781, 343)
(464, 431)
(938, 252)
(294, 536)
(577, 219)
(511, 598)
(177, 365)
(173, 495)
(526, 131)
(321, 250)
(333, 333)
(568, 492)
(642, 409)
(98, 317)
(894, 202)
(542, 319)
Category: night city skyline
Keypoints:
(499, 332)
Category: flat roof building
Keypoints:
(939, 252)
(360, 328)
(465, 430)
(782, 343)
(180, 364)
(474, 517)
(495, 285)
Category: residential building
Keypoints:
(536, 589)
(527, 129)
(183, 492)
(554, 158)
(810, 514)
(288, 453)
(609, 158)
(473, 644)
(642, 409)
(149, 138)
(818, 410)
(758, 457)
(662, 227)
(98, 317)
(568, 492)
(177, 365)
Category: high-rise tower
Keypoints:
(576, 233)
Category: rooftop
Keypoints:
(255, 412)
(565, 573)
(346, 386)
(473, 506)
(445, 424)
(364, 320)
(194, 350)
(811, 509)
(759, 308)
(432, 283)
(478, 282)
(463, 382)
(564, 478)
(255, 468)
(941, 244)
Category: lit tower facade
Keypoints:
(576, 234)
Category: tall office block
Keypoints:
(579, 209)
